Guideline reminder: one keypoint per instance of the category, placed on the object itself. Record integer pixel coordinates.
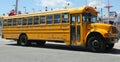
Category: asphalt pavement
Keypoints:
(53, 52)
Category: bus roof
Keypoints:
(68, 10)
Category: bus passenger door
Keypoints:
(75, 28)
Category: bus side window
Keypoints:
(24, 22)
(14, 22)
(9, 22)
(29, 20)
(36, 18)
(79, 19)
(5, 23)
(49, 19)
(56, 18)
(42, 20)
(65, 18)
(19, 21)
(73, 19)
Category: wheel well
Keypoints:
(93, 34)
(22, 34)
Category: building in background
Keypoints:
(113, 16)
(1, 24)
(1, 21)
(117, 21)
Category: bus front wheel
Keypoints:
(23, 41)
(96, 44)
(109, 47)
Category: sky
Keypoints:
(7, 5)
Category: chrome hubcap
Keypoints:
(95, 44)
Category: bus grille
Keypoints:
(114, 30)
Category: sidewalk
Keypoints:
(3, 39)
(117, 45)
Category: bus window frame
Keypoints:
(89, 17)
(14, 22)
(24, 18)
(36, 20)
(19, 21)
(64, 18)
(50, 19)
(79, 19)
(58, 22)
(4, 23)
(42, 19)
(11, 22)
(72, 22)
(31, 20)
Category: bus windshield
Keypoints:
(87, 17)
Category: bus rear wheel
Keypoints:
(96, 44)
(23, 41)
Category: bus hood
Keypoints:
(101, 26)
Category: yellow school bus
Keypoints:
(74, 26)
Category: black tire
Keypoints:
(109, 47)
(96, 44)
(40, 43)
(18, 43)
(23, 40)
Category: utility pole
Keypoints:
(16, 7)
(51, 9)
(33, 10)
(108, 10)
(101, 15)
(108, 7)
(46, 8)
(86, 2)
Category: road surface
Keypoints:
(51, 52)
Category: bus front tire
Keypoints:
(23, 41)
(96, 44)
(109, 47)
